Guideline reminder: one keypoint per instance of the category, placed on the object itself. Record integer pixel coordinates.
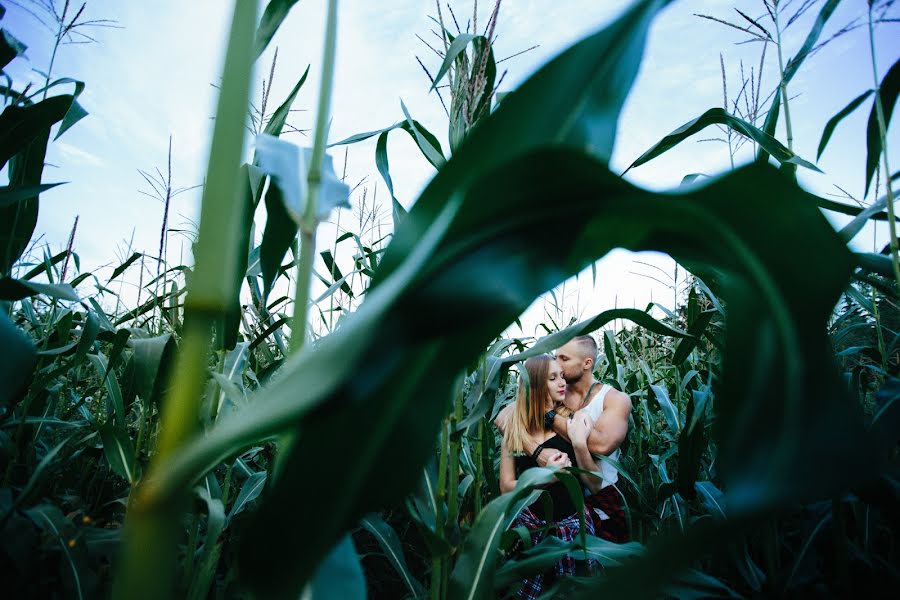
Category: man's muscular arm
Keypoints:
(611, 427)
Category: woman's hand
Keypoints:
(559, 460)
(580, 428)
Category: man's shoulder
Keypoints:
(617, 399)
(613, 398)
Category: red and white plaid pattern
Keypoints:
(567, 530)
(615, 528)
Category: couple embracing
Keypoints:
(564, 419)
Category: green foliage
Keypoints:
(762, 444)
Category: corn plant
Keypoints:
(165, 449)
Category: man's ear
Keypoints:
(589, 363)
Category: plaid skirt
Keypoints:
(567, 530)
(615, 528)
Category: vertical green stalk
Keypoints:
(477, 459)
(453, 472)
(193, 537)
(151, 530)
(309, 222)
(882, 132)
(437, 563)
(782, 85)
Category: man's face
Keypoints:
(571, 362)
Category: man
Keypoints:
(609, 410)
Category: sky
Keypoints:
(153, 75)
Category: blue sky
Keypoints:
(153, 77)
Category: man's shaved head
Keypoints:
(588, 346)
(573, 357)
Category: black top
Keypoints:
(562, 502)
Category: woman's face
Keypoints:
(556, 385)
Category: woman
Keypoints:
(546, 390)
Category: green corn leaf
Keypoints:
(47, 460)
(390, 544)
(250, 491)
(151, 360)
(279, 234)
(791, 69)
(692, 443)
(427, 143)
(119, 451)
(668, 409)
(209, 553)
(457, 46)
(555, 340)
(16, 289)
(44, 267)
(108, 379)
(888, 90)
(851, 229)
(124, 266)
(473, 576)
(17, 221)
(279, 117)
(479, 222)
(545, 554)
(719, 116)
(12, 194)
(16, 370)
(276, 225)
(712, 497)
(89, 330)
(10, 48)
(840, 116)
(20, 125)
(875, 263)
(340, 576)
(431, 150)
(274, 15)
(696, 330)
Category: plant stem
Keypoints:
(194, 535)
(309, 222)
(453, 473)
(437, 563)
(783, 84)
(151, 531)
(477, 459)
(882, 132)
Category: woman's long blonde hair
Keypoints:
(531, 401)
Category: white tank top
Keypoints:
(595, 409)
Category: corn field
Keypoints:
(172, 444)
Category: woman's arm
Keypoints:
(507, 469)
(579, 430)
